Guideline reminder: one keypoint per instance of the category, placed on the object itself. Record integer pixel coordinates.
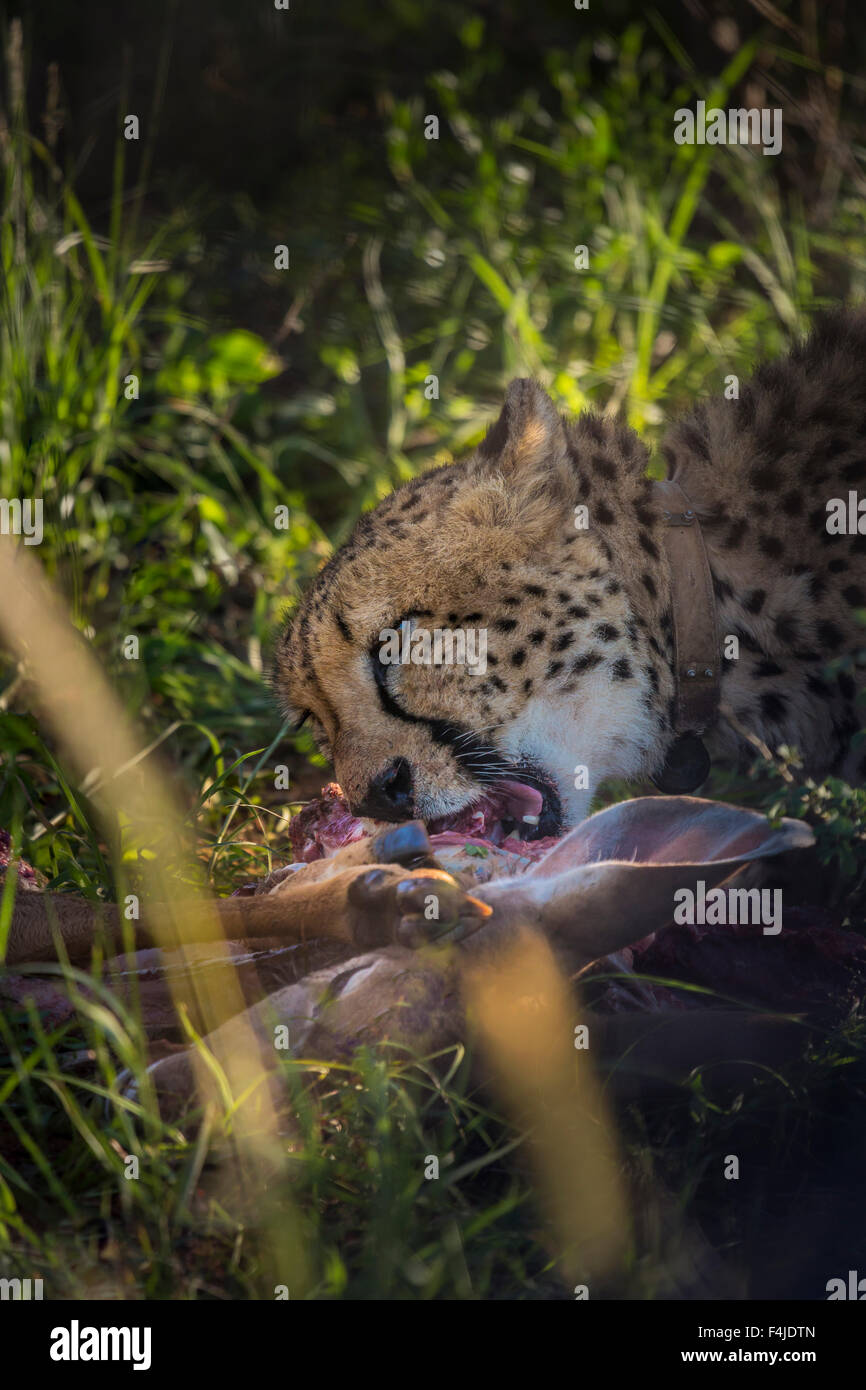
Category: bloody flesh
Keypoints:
(326, 824)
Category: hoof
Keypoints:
(415, 910)
(407, 845)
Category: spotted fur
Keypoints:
(578, 622)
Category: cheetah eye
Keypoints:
(384, 656)
(320, 738)
(316, 729)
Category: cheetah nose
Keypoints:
(389, 795)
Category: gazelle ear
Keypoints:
(612, 881)
(673, 830)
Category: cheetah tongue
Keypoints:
(521, 800)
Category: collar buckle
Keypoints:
(686, 518)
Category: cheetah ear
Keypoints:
(529, 436)
(520, 479)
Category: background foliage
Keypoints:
(305, 389)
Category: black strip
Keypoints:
(471, 752)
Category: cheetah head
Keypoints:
(540, 556)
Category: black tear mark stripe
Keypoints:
(472, 753)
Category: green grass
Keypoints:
(160, 509)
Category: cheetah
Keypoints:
(552, 540)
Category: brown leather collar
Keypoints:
(697, 659)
